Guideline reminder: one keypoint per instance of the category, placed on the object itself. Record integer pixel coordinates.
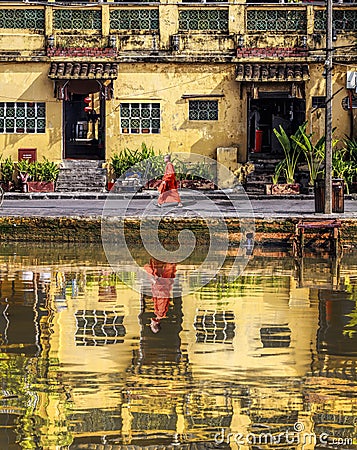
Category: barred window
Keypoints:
(207, 19)
(96, 327)
(203, 110)
(318, 102)
(138, 118)
(214, 326)
(22, 117)
(134, 19)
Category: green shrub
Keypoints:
(7, 169)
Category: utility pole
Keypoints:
(328, 111)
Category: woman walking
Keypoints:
(168, 187)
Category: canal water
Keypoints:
(266, 360)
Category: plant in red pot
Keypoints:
(43, 176)
(287, 167)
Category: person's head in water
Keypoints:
(167, 158)
(155, 325)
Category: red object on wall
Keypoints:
(258, 141)
(27, 153)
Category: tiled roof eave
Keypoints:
(275, 72)
(85, 70)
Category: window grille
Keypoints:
(22, 117)
(343, 20)
(276, 20)
(77, 19)
(214, 327)
(134, 19)
(203, 110)
(95, 327)
(203, 19)
(138, 118)
(33, 19)
(319, 102)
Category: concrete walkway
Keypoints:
(91, 205)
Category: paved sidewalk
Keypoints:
(79, 205)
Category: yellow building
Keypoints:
(83, 82)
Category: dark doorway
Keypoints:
(268, 112)
(84, 121)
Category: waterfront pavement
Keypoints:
(208, 204)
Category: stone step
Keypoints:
(82, 176)
(81, 188)
(74, 163)
(82, 179)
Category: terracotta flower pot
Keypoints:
(41, 186)
(282, 189)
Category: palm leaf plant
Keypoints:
(291, 153)
(277, 172)
(314, 153)
(343, 167)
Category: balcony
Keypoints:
(209, 27)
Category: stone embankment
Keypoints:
(268, 231)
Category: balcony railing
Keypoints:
(69, 25)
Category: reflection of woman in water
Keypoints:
(159, 345)
(168, 187)
(162, 279)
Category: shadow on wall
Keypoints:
(215, 114)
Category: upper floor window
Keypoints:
(22, 117)
(33, 19)
(134, 19)
(138, 118)
(203, 19)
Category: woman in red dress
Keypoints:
(168, 187)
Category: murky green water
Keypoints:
(266, 361)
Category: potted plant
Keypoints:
(43, 176)
(243, 171)
(343, 167)
(314, 154)
(127, 159)
(7, 173)
(288, 165)
(271, 188)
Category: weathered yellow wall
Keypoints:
(25, 43)
(28, 82)
(167, 84)
(316, 87)
(22, 80)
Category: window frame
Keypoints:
(141, 107)
(26, 129)
(198, 100)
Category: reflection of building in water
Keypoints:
(213, 326)
(236, 355)
(328, 392)
(30, 409)
(100, 327)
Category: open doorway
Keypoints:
(271, 110)
(84, 121)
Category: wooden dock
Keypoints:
(331, 226)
